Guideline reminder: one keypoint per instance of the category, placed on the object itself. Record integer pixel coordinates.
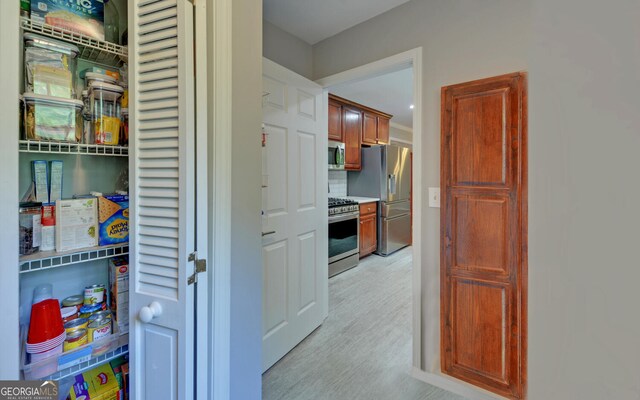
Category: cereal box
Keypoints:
(119, 284)
(82, 16)
(97, 384)
(113, 216)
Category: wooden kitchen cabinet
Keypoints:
(383, 129)
(368, 229)
(351, 133)
(369, 128)
(335, 121)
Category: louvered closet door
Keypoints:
(162, 172)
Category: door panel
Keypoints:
(383, 130)
(335, 121)
(370, 128)
(483, 233)
(295, 253)
(352, 130)
(395, 232)
(162, 193)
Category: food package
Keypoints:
(50, 66)
(114, 219)
(97, 384)
(85, 17)
(119, 284)
(76, 224)
(50, 118)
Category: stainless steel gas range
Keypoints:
(344, 231)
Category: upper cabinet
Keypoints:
(352, 132)
(374, 127)
(335, 121)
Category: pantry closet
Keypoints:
(149, 168)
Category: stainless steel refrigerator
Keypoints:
(386, 174)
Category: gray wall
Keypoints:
(584, 197)
(461, 40)
(401, 134)
(287, 50)
(246, 249)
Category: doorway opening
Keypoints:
(383, 290)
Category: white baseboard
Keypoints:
(454, 385)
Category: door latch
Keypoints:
(200, 266)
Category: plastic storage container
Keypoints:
(30, 222)
(51, 118)
(124, 130)
(105, 112)
(90, 77)
(49, 66)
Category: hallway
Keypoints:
(363, 349)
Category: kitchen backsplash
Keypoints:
(337, 183)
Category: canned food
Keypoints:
(87, 311)
(75, 339)
(99, 329)
(75, 301)
(94, 294)
(76, 324)
(69, 314)
(100, 315)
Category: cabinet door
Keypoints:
(483, 233)
(369, 128)
(383, 130)
(352, 132)
(368, 242)
(335, 121)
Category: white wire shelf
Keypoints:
(51, 259)
(91, 363)
(43, 146)
(98, 51)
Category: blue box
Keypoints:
(82, 16)
(113, 217)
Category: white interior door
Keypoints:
(295, 250)
(162, 189)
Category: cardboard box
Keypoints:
(76, 224)
(119, 289)
(85, 17)
(97, 384)
(114, 219)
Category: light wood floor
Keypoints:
(363, 349)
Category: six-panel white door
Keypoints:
(162, 193)
(295, 250)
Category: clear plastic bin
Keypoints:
(51, 118)
(105, 112)
(49, 66)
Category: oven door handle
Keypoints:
(344, 217)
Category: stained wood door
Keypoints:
(369, 128)
(484, 233)
(383, 130)
(335, 121)
(352, 133)
(295, 225)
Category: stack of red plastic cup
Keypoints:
(46, 331)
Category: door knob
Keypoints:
(146, 314)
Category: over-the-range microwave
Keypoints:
(335, 155)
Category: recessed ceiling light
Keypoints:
(411, 107)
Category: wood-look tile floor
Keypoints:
(363, 349)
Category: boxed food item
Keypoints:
(76, 224)
(119, 283)
(85, 17)
(39, 174)
(50, 66)
(97, 384)
(51, 118)
(114, 219)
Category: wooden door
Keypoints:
(369, 128)
(368, 231)
(484, 233)
(335, 121)
(295, 242)
(352, 132)
(383, 130)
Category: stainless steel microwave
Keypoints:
(335, 155)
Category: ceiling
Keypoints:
(316, 20)
(391, 93)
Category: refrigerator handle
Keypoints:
(392, 183)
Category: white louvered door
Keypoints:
(162, 192)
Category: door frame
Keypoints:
(408, 59)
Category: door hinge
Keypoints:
(200, 266)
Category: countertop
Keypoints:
(361, 200)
